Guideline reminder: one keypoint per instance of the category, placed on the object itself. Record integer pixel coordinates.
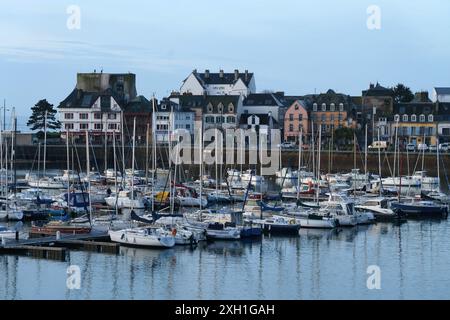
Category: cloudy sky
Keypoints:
(296, 46)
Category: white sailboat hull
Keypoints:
(128, 237)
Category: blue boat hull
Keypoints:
(420, 211)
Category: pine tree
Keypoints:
(37, 118)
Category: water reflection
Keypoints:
(318, 264)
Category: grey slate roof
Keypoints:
(228, 78)
(442, 90)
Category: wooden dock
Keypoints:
(49, 247)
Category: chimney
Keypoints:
(246, 75)
(206, 74)
(221, 74)
(422, 96)
(195, 71)
(372, 86)
(236, 75)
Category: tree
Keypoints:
(402, 93)
(343, 136)
(37, 118)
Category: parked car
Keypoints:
(411, 147)
(432, 148)
(422, 147)
(444, 147)
(379, 145)
(287, 145)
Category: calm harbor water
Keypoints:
(413, 257)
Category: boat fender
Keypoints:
(174, 232)
(123, 236)
(292, 222)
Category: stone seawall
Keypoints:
(27, 157)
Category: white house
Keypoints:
(219, 83)
(170, 117)
(440, 94)
(264, 103)
(83, 111)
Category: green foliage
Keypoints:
(402, 93)
(343, 136)
(37, 118)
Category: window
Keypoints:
(405, 118)
(332, 107)
(84, 116)
(112, 126)
(231, 108)
(340, 118)
(324, 107)
(413, 118)
(68, 116)
(188, 126)
(209, 119)
(300, 117)
(315, 107)
(430, 131)
(300, 127)
(422, 118)
(69, 126)
(341, 107)
(210, 107)
(231, 119)
(422, 131)
(220, 108)
(291, 128)
(332, 117)
(84, 126)
(430, 118)
(112, 116)
(291, 117)
(98, 126)
(324, 117)
(296, 106)
(396, 118)
(188, 117)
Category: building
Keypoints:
(170, 117)
(442, 117)
(221, 112)
(415, 120)
(219, 83)
(96, 104)
(258, 123)
(377, 105)
(441, 94)
(332, 111)
(140, 109)
(296, 121)
(265, 104)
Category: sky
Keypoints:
(295, 46)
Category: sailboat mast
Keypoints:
(201, 163)
(133, 158)
(379, 163)
(45, 142)
(147, 132)
(318, 163)
(122, 132)
(300, 147)
(438, 167)
(88, 173)
(115, 169)
(153, 152)
(68, 167)
(106, 144)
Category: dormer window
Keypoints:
(324, 107)
(332, 107)
(422, 118)
(220, 108)
(430, 118)
(231, 108)
(405, 118)
(341, 107)
(413, 118)
(210, 108)
(315, 107)
(397, 118)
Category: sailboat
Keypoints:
(143, 237)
